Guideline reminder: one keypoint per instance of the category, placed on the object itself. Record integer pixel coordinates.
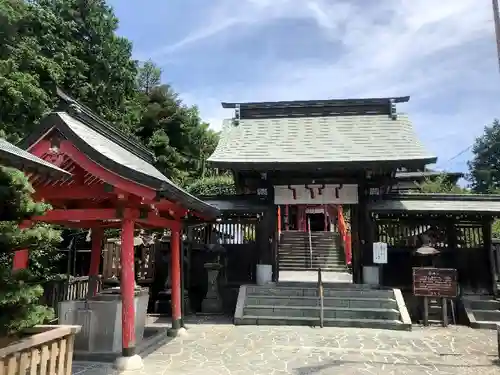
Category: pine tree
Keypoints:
(20, 291)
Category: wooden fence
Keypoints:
(48, 350)
(66, 290)
(144, 259)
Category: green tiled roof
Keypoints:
(434, 204)
(319, 140)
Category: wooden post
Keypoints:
(95, 259)
(491, 257)
(325, 218)
(444, 308)
(299, 217)
(175, 279)
(426, 311)
(287, 212)
(21, 257)
(127, 285)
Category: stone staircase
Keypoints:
(294, 254)
(345, 305)
(482, 311)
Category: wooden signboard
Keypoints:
(435, 282)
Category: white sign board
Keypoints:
(379, 253)
(316, 194)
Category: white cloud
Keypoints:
(390, 47)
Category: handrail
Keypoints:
(321, 298)
(310, 242)
(346, 236)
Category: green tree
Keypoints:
(20, 291)
(484, 168)
(211, 186)
(441, 184)
(149, 76)
(180, 140)
(70, 43)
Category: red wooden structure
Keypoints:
(113, 185)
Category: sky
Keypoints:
(441, 53)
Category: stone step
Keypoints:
(307, 321)
(291, 290)
(487, 315)
(292, 261)
(308, 256)
(306, 246)
(328, 312)
(327, 268)
(315, 250)
(314, 264)
(356, 302)
(485, 304)
(485, 324)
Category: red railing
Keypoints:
(346, 236)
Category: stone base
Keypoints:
(211, 306)
(128, 363)
(179, 332)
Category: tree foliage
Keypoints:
(176, 134)
(21, 291)
(212, 186)
(70, 43)
(441, 184)
(149, 77)
(484, 168)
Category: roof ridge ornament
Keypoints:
(237, 115)
(392, 109)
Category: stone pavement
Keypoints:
(216, 347)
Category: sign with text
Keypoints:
(435, 282)
(316, 194)
(379, 253)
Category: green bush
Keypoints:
(213, 186)
(20, 291)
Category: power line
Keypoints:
(460, 153)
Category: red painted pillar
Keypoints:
(95, 259)
(279, 219)
(175, 272)
(21, 257)
(127, 282)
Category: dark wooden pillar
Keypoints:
(363, 239)
(488, 248)
(95, 259)
(355, 244)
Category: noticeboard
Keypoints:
(435, 282)
(379, 253)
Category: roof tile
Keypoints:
(319, 139)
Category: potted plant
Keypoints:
(24, 343)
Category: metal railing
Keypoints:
(321, 298)
(310, 242)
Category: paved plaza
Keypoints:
(216, 347)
